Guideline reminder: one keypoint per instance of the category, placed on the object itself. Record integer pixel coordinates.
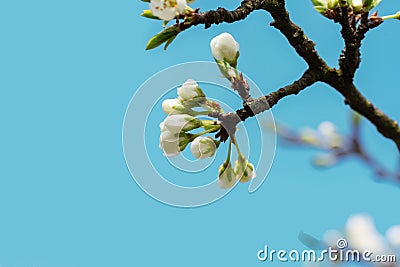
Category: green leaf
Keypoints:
(165, 36)
(148, 14)
(147, 1)
(370, 4)
(320, 9)
(167, 43)
(317, 3)
(333, 4)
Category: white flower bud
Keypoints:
(169, 142)
(226, 176)
(244, 170)
(171, 149)
(173, 106)
(329, 136)
(225, 48)
(168, 136)
(357, 5)
(162, 126)
(189, 90)
(167, 9)
(181, 123)
(173, 143)
(326, 128)
(203, 147)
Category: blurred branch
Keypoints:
(338, 147)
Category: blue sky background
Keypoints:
(68, 70)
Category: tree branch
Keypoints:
(264, 103)
(221, 15)
(385, 125)
(294, 34)
(318, 70)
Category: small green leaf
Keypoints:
(148, 14)
(147, 1)
(167, 43)
(165, 36)
(370, 4)
(317, 3)
(320, 9)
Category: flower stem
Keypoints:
(206, 132)
(228, 158)
(394, 16)
(197, 113)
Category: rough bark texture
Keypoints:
(354, 28)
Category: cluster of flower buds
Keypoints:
(322, 6)
(243, 171)
(181, 119)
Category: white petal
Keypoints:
(393, 236)
(224, 46)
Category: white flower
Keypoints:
(362, 235)
(329, 136)
(173, 106)
(393, 236)
(181, 123)
(357, 5)
(244, 170)
(167, 9)
(226, 176)
(203, 147)
(326, 128)
(224, 47)
(189, 90)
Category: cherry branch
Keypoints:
(354, 28)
